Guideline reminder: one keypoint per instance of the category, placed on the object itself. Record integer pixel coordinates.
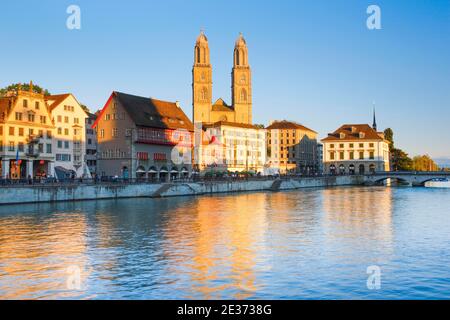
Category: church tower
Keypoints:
(201, 81)
(241, 83)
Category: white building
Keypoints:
(355, 148)
(69, 143)
(243, 147)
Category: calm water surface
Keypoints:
(307, 244)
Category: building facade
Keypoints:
(204, 111)
(69, 143)
(234, 147)
(320, 158)
(141, 137)
(291, 148)
(355, 149)
(91, 144)
(26, 135)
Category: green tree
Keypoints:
(400, 160)
(24, 87)
(389, 136)
(85, 108)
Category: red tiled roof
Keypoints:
(352, 132)
(284, 124)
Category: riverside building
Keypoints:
(355, 149)
(140, 137)
(292, 148)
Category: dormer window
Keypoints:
(353, 129)
(362, 135)
(342, 135)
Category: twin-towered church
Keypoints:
(240, 110)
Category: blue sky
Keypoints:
(314, 62)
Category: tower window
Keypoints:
(243, 95)
(204, 94)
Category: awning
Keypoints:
(173, 171)
(184, 170)
(153, 171)
(140, 171)
(163, 171)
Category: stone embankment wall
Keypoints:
(48, 193)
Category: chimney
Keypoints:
(177, 103)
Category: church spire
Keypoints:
(374, 124)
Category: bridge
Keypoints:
(412, 178)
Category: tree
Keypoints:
(389, 136)
(24, 87)
(424, 163)
(400, 160)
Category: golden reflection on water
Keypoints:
(36, 258)
(219, 235)
(206, 247)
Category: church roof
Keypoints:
(149, 112)
(221, 105)
(202, 38)
(240, 42)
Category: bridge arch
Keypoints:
(380, 180)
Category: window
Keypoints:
(11, 131)
(361, 145)
(41, 133)
(371, 155)
(351, 145)
(40, 147)
(115, 132)
(66, 131)
(341, 145)
(66, 119)
(62, 157)
(102, 133)
(331, 155)
(352, 155)
(332, 146)
(18, 116)
(36, 105)
(59, 130)
(43, 119)
(107, 117)
(21, 132)
(20, 147)
(76, 120)
(66, 144)
(1, 131)
(59, 144)
(11, 146)
(49, 134)
(89, 141)
(361, 155)
(30, 132)
(59, 119)
(341, 155)
(25, 103)
(371, 145)
(49, 148)
(31, 117)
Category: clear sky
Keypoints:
(313, 61)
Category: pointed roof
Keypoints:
(240, 41)
(149, 112)
(202, 39)
(221, 105)
(55, 100)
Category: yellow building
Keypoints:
(26, 135)
(204, 110)
(291, 148)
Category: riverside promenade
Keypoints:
(89, 190)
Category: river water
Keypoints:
(303, 244)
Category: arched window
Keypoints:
(198, 54)
(204, 94)
(243, 95)
(237, 57)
